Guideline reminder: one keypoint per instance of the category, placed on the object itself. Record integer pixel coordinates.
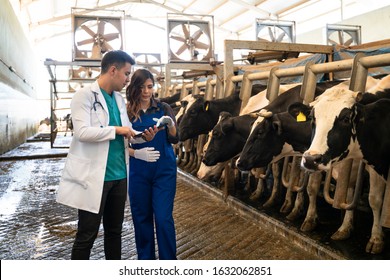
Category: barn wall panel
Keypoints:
(374, 28)
(18, 82)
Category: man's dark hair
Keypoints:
(118, 58)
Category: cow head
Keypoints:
(273, 135)
(185, 103)
(262, 144)
(333, 114)
(211, 174)
(227, 138)
(196, 120)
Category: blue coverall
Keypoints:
(152, 188)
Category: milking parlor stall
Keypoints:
(243, 100)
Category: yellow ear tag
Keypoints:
(207, 107)
(301, 117)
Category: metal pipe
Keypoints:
(302, 183)
(328, 178)
(342, 184)
(245, 90)
(274, 79)
(357, 190)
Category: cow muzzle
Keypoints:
(311, 162)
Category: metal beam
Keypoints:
(251, 7)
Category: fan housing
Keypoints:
(151, 61)
(190, 41)
(275, 31)
(343, 35)
(95, 35)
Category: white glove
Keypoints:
(164, 120)
(148, 154)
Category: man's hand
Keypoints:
(126, 131)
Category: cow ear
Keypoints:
(277, 126)
(224, 115)
(227, 125)
(358, 96)
(299, 111)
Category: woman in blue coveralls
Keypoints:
(152, 175)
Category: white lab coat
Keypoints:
(81, 184)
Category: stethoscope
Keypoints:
(96, 101)
(94, 105)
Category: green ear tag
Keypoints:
(301, 117)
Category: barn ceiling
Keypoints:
(233, 19)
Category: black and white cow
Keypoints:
(270, 136)
(348, 124)
(281, 134)
(172, 99)
(185, 150)
(203, 115)
(233, 131)
(215, 159)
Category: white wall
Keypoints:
(19, 107)
(374, 27)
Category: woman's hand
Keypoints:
(148, 154)
(164, 120)
(149, 133)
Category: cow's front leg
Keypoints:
(377, 189)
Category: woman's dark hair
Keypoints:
(133, 92)
(117, 58)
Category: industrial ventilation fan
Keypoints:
(189, 41)
(343, 35)
(150, 61)
(275, 31)
(93, 36)
(79, 74)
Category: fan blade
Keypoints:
(280, 37)
(197, 34)
(185, 30)
(101, 26)
(178, 38)
(348, 42)
(88, 30)
(106, 47)
(96, 51)
(111, 36)
(341, 37)
(182, 49)
(85, 42)
(332, 42)
(262, 40)
(201, 45)
(271, 34)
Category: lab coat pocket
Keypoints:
(76, 170)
